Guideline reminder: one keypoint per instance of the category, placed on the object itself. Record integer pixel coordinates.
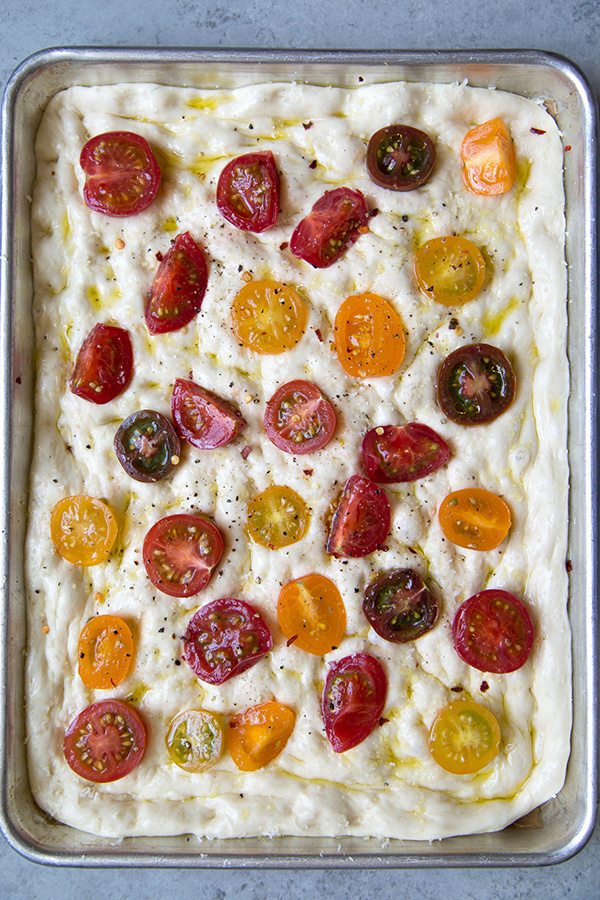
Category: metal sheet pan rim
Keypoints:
(31, 67)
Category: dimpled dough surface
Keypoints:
(388, 786)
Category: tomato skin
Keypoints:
(353, 700)
(400, 157)
(104, 364)
(336, 217)
(97, 736)
(361, 521)
(248, 192)
(230, 630)
(177, 292)
(488, 157)
(399, 606)
(146, 445)
(394, 454)
(493, 632)
(186, 545)
(122, 175)
(202, 418)
(316, 424)
(475, 384)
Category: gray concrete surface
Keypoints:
(570, 27)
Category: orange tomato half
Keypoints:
(268, 316)
(105, 652)
(488, 156)
(311, 610)
(259, 734)
(83, 530)
(464, 738)
(369, 336)
(450, 270)
(475, 519)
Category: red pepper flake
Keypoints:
(384, 548)
(537, 131)
(457, 689)
(233, 724)
(18, 379)
(383, 721)
(569, 566)
(159, 256)
(373, 212)
(308, 471)
(313, 164)
(293, 638)
(484, 686)
(319, 334)
(246, 451)
(284, 246)
(307, 125)
(567, 148)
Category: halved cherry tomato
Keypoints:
(450, 270)
(202, 418)
(333, 224)
(397, 453)
(268, 316)
(122, 176)
(475, 519)
(488, 157)
(493, 632)
(225, 638)
(147, 446)
(277, 517)
(106, 741)
(248, 191)
(369, 336)
(464, 738)
(195, 740)
(259, 734)
(178, 288)
(399, 606)
(299, 419)
(311, 611)
(353, 699)
(400, 158)
(83, 530)
(475, 384)
(104, 364)
(180, 553)
(105, 652)
(361, 521)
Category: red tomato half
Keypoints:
(121, 174)
(180, 553)
(179, 286)
(353, 699)
(104, 364)
(332, 225)
(394, 453)
(202, 418)
(493, 632)
(248, 191)
(225, 638)
(361, 521)
(298, 418)
(106, 741)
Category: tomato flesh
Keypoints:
(400, 158)
(268, 316)
(277, 517)
(353, 700)
(333, 224)
(259, 734)
(475, 519)
(361, 521)
(475, 384)
(106, 741)
(202, 418)
(180, 553)
(464, 738)
(83, 530)
(195, 740)
(122, 176)
(369, 336)
(450, 270)
(399, 606)
(488, 157)
(105, 652)
(104, 364)
(146, 445)
(299, 419)
(311, 612)
(493, 632)
(248, 192)
(179, 286)
(399, 453)
(225, 638)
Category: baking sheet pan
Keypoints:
(562, 826)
